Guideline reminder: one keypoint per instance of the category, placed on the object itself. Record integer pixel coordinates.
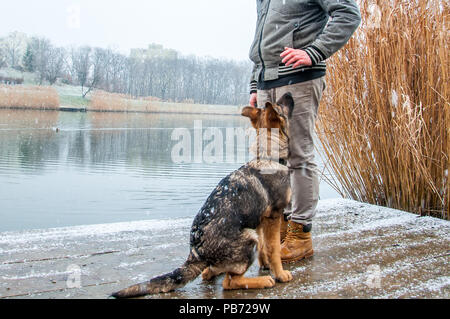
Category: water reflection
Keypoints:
(63, 169)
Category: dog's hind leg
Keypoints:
(271, 230)
(233, 281)
(211, 272)
(243, 258)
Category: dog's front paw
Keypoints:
(267, 282)
(284, 276)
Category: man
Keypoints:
(293, 39)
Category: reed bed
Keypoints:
(102, 101)
(384, 121)
(113, 102)
(29, 97)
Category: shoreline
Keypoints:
(65, 99)
(194, 109)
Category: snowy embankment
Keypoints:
(362, 251)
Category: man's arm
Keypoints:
(345, 19)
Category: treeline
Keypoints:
(155, 71)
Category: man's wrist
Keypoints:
(253, 87)
(315, 54)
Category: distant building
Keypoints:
(154, 51)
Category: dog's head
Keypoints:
(273, 118)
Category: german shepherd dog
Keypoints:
(241, 215)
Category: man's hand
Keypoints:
(295, 57)
(253, 99)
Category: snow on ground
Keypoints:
(361, 251)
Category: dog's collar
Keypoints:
(281, 161)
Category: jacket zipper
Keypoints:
(260, 40)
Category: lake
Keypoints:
(66, 169)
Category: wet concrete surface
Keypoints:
(361, 251)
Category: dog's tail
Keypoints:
(178, 278)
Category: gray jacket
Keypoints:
(300, 24)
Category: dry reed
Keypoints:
(384, 121)
(33, 97)
(114, 102)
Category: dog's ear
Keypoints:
(251, 112)
(272, 114)
(287, 103)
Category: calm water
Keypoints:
(101, 168)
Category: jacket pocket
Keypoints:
(304, 35)
(290, 39)
(288, 7)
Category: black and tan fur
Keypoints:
(242, 215)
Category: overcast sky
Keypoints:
(201, 27)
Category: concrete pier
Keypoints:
(362, 251)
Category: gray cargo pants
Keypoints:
(303, 169)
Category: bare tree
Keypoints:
(118, 75)
(90, 68)
(55, 64)
(14, 46)
(36, 57)
(2, 54)
(100, 61)
(81, 66)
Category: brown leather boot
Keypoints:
(283, 229)
(297, 244)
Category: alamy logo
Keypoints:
(226, 145)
